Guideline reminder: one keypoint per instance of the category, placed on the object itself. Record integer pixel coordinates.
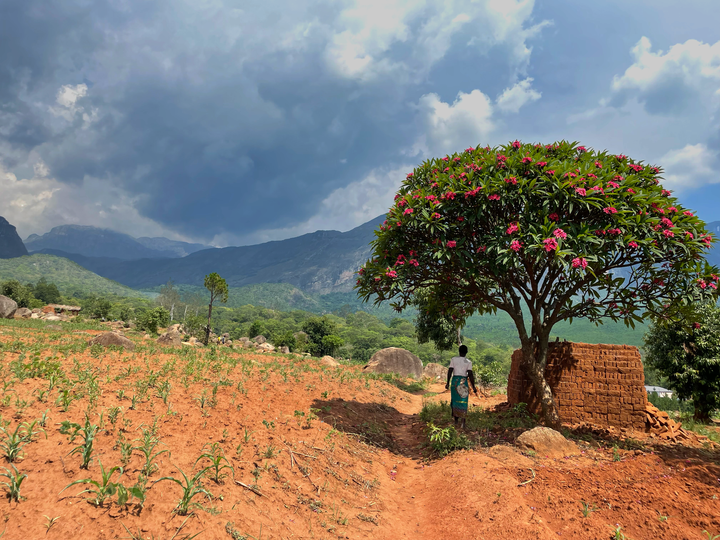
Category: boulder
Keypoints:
(53, 327)
(35, 316)
(111, 338)
(52, 318)
(8, 307)
(285, 349)
(259, 339)
(435, 372)
(329, 361)
(395, 360)
(171, 338)
(23, 313)
(265, 347)
(546, 442)
(48, 309)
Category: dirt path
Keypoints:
(466, 495)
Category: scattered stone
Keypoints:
(395, 360)
(8, 307)
(172, 338)
(435, 371)
(285, 349)
(111, 338)
(329, 361)
(265, 347)
(23, 313)
(546, 442)
(53, 327)
(52, 318)
(259, 339)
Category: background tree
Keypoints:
(218, 291)
(544, 233)
(47, 292)
(322, 336)
(689, 357)
(151, 319)
(169, 298)
(22, 294)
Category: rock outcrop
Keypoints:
(546, 442)
(435, 372)
(111, 338)
(8, 307)
(395, 360)
(329, 361)
(171, 338)
(11, 245)
(23, 313)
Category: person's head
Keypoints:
(463, 350)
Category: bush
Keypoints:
(151, 319)
(17, 291)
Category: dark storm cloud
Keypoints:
(226, 117)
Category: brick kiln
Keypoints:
(597, 384)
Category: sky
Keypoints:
(232, 123)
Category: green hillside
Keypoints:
(71, 278)
(498, 329)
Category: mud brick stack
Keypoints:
(595, 384)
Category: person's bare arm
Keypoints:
(450, 372)
(471, 378)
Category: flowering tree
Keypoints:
(544, 233)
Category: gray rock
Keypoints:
(23, 313)
(285, 349)
(111, 338)
(170, 339)
(435, 371)
(259, 339)
(546, 442)
(8, 307)
(395, 360)
(53, 327)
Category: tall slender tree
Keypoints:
(218, 291)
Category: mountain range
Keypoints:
(96, 242)
(319, 262)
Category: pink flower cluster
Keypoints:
(473, 192)
(408, 211)
(391, 274)
(481, 249)
(610, 210)
(436, 216)
(580, 191)
(633, 245)
(451, 243)
(598, 165)
(636, 168)
(516, 145)
(550, 244)
(559, 233)
(512, 228)
(526, 160)
(413, 262)
(579, 262)
(493, 197)
(449, 195)
(409, 175)
(515, 245)
(511, 180)
(554, 217)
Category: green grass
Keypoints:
(70, 277)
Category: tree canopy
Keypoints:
(689, 357)
(563, 231)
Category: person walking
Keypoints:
(459, 375)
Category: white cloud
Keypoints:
(344, 209)
(67, 103)
(35, 205)
(690, 167)
(364, 34)
(452, 127)
(685, 76)
(513, 98)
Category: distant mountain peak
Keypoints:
(99, 242)
(11, 245)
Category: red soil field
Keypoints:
(322, 452)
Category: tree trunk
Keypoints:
(185, 314)
(172, 311)
(207, 330)
(702, 413)
(534, 361)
